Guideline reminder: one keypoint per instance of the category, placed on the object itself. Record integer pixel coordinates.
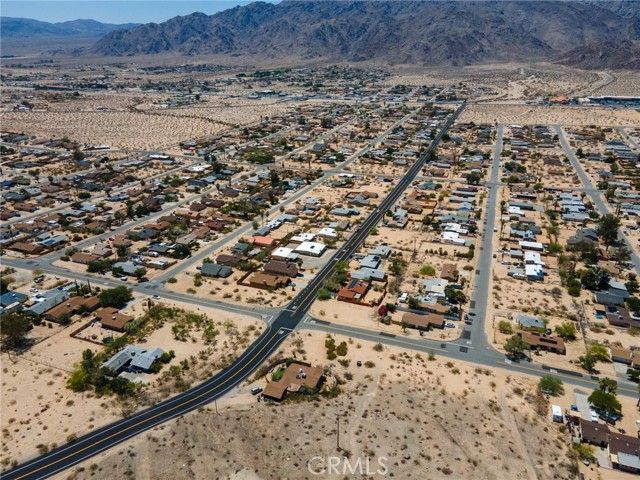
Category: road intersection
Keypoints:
(472, 345)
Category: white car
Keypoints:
(450, 325)
(156, 297)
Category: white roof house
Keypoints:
(455, 227)
(303, 237)
(534, 272)
(312, 249)
(515, 210)
(531, 246)
(435, 285)
(452, 237)
(284, 253)
(533, 258)
(328, 232)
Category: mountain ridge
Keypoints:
(16, 27)
(393, 32)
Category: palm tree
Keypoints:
(608, 385)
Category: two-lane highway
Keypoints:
(111, 435)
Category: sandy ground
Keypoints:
(117, 129)
(42, 411)
(533, 115)
(476, 422)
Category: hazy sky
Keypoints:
(111, 11)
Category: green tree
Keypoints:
(14, 328)
(4, 285)
(115, 297)
(633, 304)
(600, 352)
(455, 295)
(551, 384)
(608, 229)
(608, 402)
(584, 451)
(77, 155)
(413, 303)
(78, 380)
(587, 361)
(594, 278)
(139, 272)
(505, 327)
(573, 287)
(473, 178)
(515, 346)
(181, 251)
(324, 294)
(632, 283)
(608, 385)
(428, 270)
(567, 331)
(554, 248)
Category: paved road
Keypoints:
(628, 138)
(104, 438)
(462, 350)
(593, 193)
(481, 295)
(156, 285)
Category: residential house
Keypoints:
(215, 270)
(129, 268)
(620, 317)
(10, 297)
(534, 273)
(423, 322)
(622, 355)
(281, 267)
(71, 307)
(83, 258)
(296, 378)
(266, 280)
(28, 248)
(449, 272)
(531, 322)
(537, 340)
(133, 358)
(112, 319)
(284, 253)
(369, 274)
(370, 261)
(354, 291)
(49, 300)
(312, 249)
(230, 260)
(382, 251)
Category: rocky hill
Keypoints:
(11, 28)
(624, 55)
(393, 32)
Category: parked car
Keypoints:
(156, 297)
(256, 390)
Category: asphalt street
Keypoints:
(106, 437)
(593, 193)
